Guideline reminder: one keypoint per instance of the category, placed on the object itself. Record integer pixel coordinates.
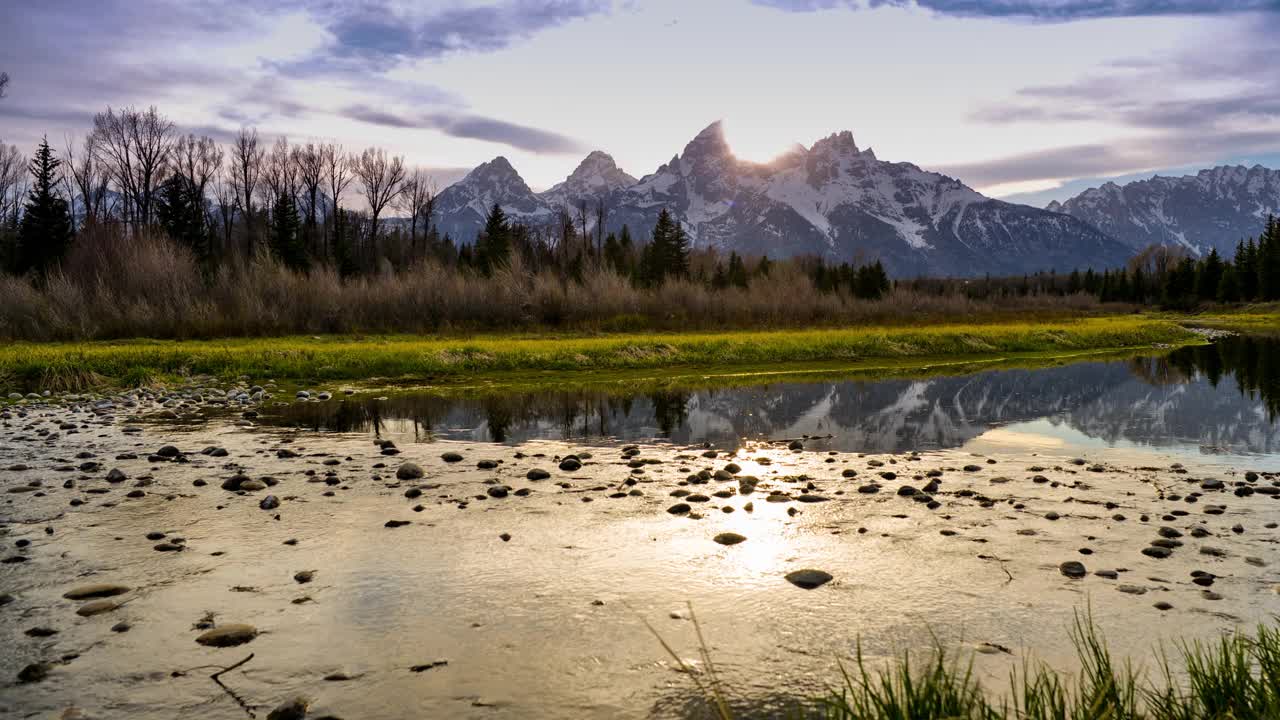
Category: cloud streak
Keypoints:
(471, 127)
(1038, 10)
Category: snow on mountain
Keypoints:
(832, 200)
(1213, 208)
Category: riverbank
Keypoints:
(459, 360)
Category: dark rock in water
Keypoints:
(228, 635)
(808, 578)
(498, 491)
(40, 632)
(168, 547)
(304, 576)
(907, 491)
(451, 457)
(5, 599)
(1162, 605)
(429, 666)
(795, 445)
(234, 482)
(295, 709)
(121, 627)
(409, 471)
(570, 464)
(115, 475)
(505, 537)
(729, 538)
(286, 453)
(1157, 552)
(395, 523)
(87, 592)
(412, 493)
(34, 673)
(1073, 569)
(168, 451)
(869, 489)
(812, 498)
(1168, 532)
(679, 509)
(487, 464)
(270, 502)
(537, 474)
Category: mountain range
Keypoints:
(836, 201)
(1214, 208)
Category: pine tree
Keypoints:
(286, 233)
(677, 260)
(180, 210)
(658, 260)
(1268, 259)
(1229, 287)
(737, 271)
(1209, 276)
(1247, 269)
(44, 234)
(493, 247)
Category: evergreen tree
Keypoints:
(1229, 287)
(1209, 276)
(1268, 259)
(44, 234)
(180, 210)
(286, 233)
(737, 274)
(493, 246)
(657, 258)
(677, 260)
(1247, 269)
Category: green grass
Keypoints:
(448, 360)
(1236, 677)
(1260, 319)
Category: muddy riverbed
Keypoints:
(399, 576)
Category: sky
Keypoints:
(1034, 99)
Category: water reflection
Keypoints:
(1223, 396)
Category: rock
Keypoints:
(34, 673)
(1073, 569)
(680, 509)
(228, 635)
(451, 457)
(286, 453)
(1132, 589)
(304, 576)
(1162, 605)
(807, 498)
(115, 475)
(168, 451)
(1159, 553)
(87, 592)
(97, 607)
(234, 482)
(409, 471)
(295, 709)
(498, 491)
(537, 474)
(121, 627)
(570, 464)
(395, 523)
(505, 537)
(729, 538)
(270, 502)
(808, 578)
(795, 445)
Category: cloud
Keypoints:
(1038, 10)
(472, 127)
(383, 32)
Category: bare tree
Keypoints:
(419, 200)
(12, 171)
(310, 163)
(198, 159)
(4, 82)
(246, 172)
(86, 179)
(280, 172)
(225, 199)
(583, 214)
(382, 179)
(602, 214)
(337, 171)
(134, 145)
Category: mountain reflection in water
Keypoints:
(1224, 396)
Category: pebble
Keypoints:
(729, 538)
(808, 578)
(228, 635)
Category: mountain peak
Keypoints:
(839, 143)
(596, 175)
(708, 143)
(498, 167)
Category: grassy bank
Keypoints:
(441, 360)
(1263, 319)
(1235, 677)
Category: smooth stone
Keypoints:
(228, 635)
(808, 578)
(409, 471)
(97, 607)
(86, 592)
(451, 457)
(729, 538)
(1073, 569)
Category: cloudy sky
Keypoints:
(1011, 96)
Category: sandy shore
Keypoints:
(472, 580)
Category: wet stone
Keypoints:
(808, 578)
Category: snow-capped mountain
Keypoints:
(462, 207)
(1213, 208)
(596, 177)
(832, 200)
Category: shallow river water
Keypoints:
(532, 602)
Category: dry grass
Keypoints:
(116, 287)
